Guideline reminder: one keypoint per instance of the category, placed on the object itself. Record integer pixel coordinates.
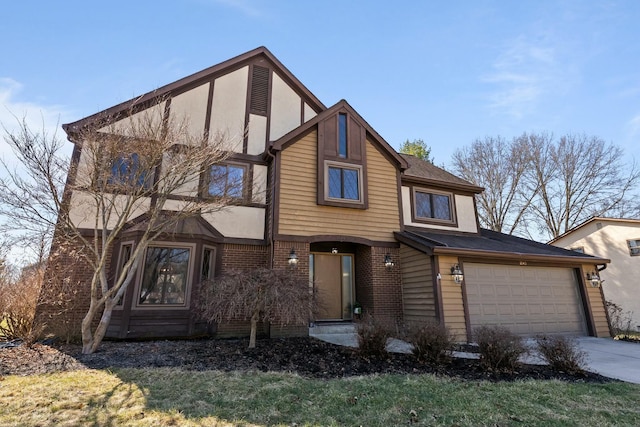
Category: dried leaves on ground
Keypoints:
(307, 357)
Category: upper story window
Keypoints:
(343, 182)
(342, 135)
(634, 247)
(433, 207)
(227, 181)
(127, 171)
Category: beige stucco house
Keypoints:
(391, 232)
(617, 239)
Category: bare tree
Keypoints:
(577, 177)
(498, 166)
(142, 164)
(260, 295)
(540, 186)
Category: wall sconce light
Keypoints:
(594, 279)
(293, 258)
(334, 250)
(388, 262)
(457, 274)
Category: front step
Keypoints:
(332, 328)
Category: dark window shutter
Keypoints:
(259, 90)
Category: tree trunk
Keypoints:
(101, 330)
(254, 330)
(87, 335)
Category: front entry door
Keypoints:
(333, 278)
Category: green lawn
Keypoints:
(154, 397)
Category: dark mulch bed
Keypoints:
(307, 357)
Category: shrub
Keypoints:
(561, 353)
(499, 348)
(372, 336)
(619, 319)
(432, 343)
(18, 302)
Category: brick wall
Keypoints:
(244, 257)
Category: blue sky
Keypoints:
(447, 72)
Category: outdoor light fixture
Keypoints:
(594, 279)
(457, 274)
(293, 258)
(388, 262)
(334, 250)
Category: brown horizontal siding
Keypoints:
(417, 286)
(452, 301)
(301, 215)
(598, 310)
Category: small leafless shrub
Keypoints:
(620, 319)
(561, 353)
(266, 295)
(499, 348)
(373, 334)
(18, 302)
(432, 342)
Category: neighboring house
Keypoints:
(619, 240)
(367, 224)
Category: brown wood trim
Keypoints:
(413, 244)
(198, 78)
(247, 102)
(606, 311)
(517, 257)
(465, 304)
(437, 289)
(335, 238)
(434, 221)
(255, 159)
(400, 204)
(475, 210)
(465, 190)
(323, 172)
(586, 303)
(276, 196)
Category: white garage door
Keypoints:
(527, 300)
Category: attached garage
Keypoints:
(527, 300)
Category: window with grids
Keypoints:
(634, 247)
(433, 206)
(343, 183)
(227, 181)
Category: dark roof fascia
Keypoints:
(434, 247)
(287, 139)
(200, 76)
(411, 179)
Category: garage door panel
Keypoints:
(527, 300)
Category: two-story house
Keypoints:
(398, 235)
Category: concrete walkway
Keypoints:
(605, 356)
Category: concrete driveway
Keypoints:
(613, 359)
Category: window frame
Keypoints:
(452, 222)
(132, 244)
(633, 250)
(212, 260)
(189, 277)
(245, 179)
(335, 201)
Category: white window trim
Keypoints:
(342, 165)
(189, 285)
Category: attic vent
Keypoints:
(598, 225)
(259, 90)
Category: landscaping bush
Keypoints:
(432, 343)
(619, 319)
(372, 336)
(561, 353)
(499, 348)
(18, 301)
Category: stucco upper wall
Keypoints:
(464, 210)
(286, 108)
(300, 214)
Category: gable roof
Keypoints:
(193, 80)
(342, 105)
(427, 173)
(489, 244)
(629, 221)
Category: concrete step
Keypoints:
(332, 328)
